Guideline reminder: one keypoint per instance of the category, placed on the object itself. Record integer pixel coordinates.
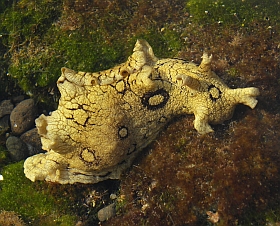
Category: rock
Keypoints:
(17, 148)
(23, 116)
(4, 124)
(18, 99)
(6, 107)
(33, 141)
(107, 212)
(113, 196)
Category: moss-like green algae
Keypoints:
(233, 12)
(27, 199)
(41, 37)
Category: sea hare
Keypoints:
(105, 118)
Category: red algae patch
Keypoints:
(184, 177)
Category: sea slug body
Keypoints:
(105, 118)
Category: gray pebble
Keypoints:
(23, 116)
(33, 141)
(4, 124)
(6, 107)
(17, 148)
(107, 212)
(18, 99)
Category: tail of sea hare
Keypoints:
(246, 96)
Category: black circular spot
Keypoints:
(155, 100)
(123, 132)
(214, 92)
(88, 157)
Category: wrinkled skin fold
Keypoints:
(105, 118)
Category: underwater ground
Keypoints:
(230, 177)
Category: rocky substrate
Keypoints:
(17, 127)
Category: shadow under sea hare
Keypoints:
(104, 119)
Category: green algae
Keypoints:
(233, 12)
(4, 157)
(56, 220)
(89, 52)
(22, 24)
(20, 195)
(166, 42)
(42, 203)
(41, 37)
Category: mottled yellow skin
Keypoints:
(104, 119)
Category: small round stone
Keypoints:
(113, 196)
(23, 116)
(33, 141)
(107, 212)
(17, 148)
(6, 107)
(4, 124)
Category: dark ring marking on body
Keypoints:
(145, 100)
(123, 132)
(95, 160)
(211, 96)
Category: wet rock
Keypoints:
(107, 212)
(113, 196)
(23, 116)
(4, 124)
(6, 107)
(33, 141)
(18, 99)
(17, 148)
